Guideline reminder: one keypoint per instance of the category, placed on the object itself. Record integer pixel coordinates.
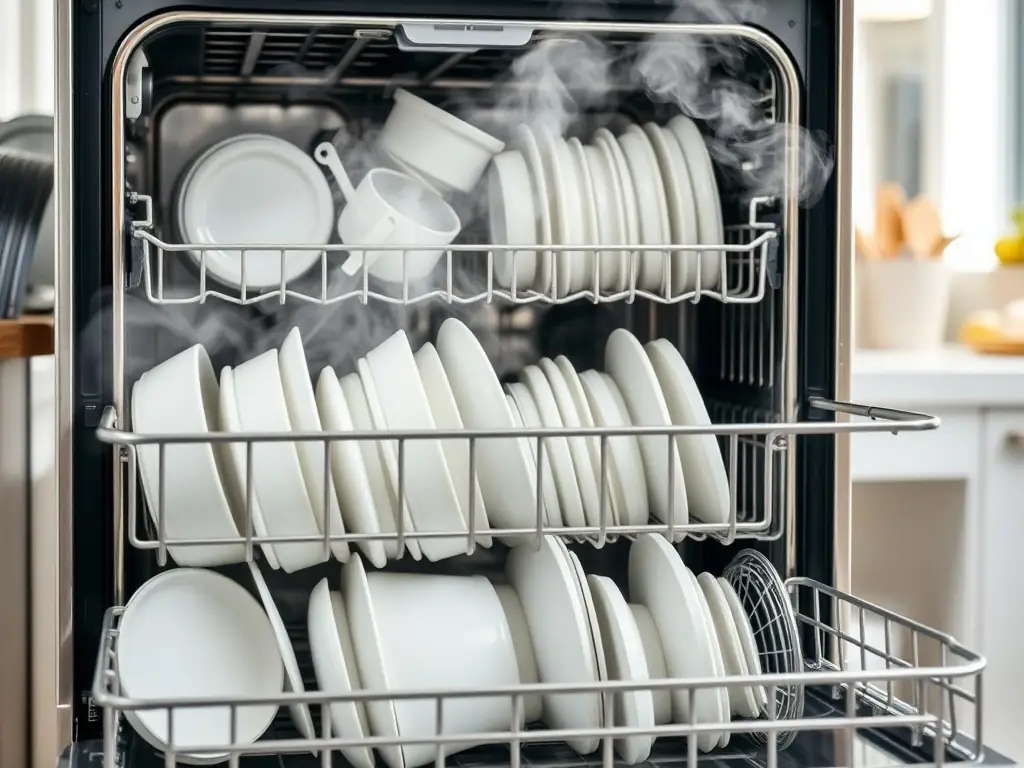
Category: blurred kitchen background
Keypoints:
(939, 153)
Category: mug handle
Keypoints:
(381, 230)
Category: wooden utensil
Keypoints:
(922, 227)
(889, 234)
(943, 243)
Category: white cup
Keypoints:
(391, 208)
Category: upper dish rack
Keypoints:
(747, 267)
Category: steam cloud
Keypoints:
(556, 85)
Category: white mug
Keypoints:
(389, 207)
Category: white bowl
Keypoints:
(526, 659)
(180, 395)
(469, 645)
(447, 152)
(512, 219)
(194, 633)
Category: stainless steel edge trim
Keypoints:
(788, 404)
(52, 631)
(844, 292)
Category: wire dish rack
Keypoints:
(754, 496)
(780, 614)
(467, 272)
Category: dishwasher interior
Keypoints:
(749, 341)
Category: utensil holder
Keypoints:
(905, 303)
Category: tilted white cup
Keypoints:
(391, 208)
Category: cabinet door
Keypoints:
(1001, 562)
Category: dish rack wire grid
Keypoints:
(753, 495)
(862, 677)
(745, 262)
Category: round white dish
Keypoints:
(557, 448)
(629, 203)
(566, 211)
(655, 657)
(512, 219)
(707, 483)
(586, 473)
(369, 657)
(330, 646)
(526, 142)
(235, 466)
(544, 581)
(449, 152)
(351, 479)
(651, 204)
(277, 474)
(304, 417)
(432, 499)
(301, 716)
(716, 657)
(611, 216)
(631, 369)
(588, 602)
(525, 414)
(388, 450)
(659, 580)
(456, 452)
(181, 395)
(751, 656)
(710, 224)
(384, 508)
(591, 233)
(504, 469)
(526, 659)
(469, 645)
(629, 485)
(682, 210)
(741, 698)
(227, 649)
(624, 654)
(257, 190)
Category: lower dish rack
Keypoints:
(836, 698)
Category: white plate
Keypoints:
(334, 663)
(526, 660)
(751, 655)
(682, 210)
(428, 484)
(292, 674)
(716, 657)
(527, 143)
(741, 698)
(611, 216)
(235, 469)
(628, 200)
(591, 232)
(258, 190)
(512, 219)
(557, 448)
(588, 602)
(546, 586)
(369, 656)
(225, 650)
(631, 369)
(277, 474)
(624, 654)
(566, 212)
(705, 188)
(659, 580)
(707, 483)
(629, 485)
(655, 658)
(389, 459)
(525, 414)
(653, 209)
(456, 452)
(503, 466)
(350, 473)
(384, 507)
(586, 473)
(302, 411)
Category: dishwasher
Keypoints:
(145, 87)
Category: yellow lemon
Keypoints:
(1010, 250)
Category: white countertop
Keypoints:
(953, 376)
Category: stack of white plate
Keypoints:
(651, 185)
